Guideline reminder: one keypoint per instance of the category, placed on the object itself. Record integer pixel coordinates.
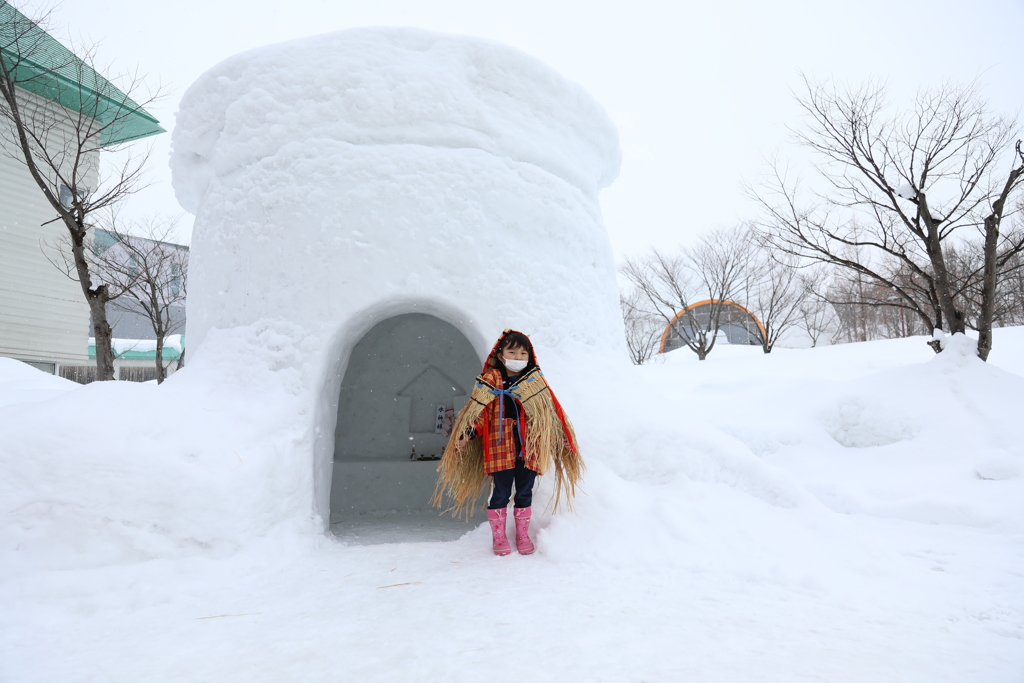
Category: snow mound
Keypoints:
(22, 383)
(860, 423)
(962, 350)
(997, 465)
(389, 87)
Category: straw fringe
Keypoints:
(550, 443)
(551, 437)
(461, 474)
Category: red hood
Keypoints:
(494, 357)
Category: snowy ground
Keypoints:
(849, 513)
(397, 527)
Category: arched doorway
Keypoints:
(403, 378)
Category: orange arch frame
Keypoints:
(664, 335)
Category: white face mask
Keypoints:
(515, 365)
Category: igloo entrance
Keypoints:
(404, 376)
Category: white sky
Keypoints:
(701, 92)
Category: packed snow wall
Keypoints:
(342, 180)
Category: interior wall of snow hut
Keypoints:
(405, 379)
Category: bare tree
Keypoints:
(643, 330)
(999, 251)
(900, 190)
(151, 271)
(775, 293)
(858, 304)
(817, 317)
(61, 113)
(662, 282)
(966, 263)
(1010, 295)
(669, 286)
(867, 309)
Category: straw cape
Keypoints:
(549, 441)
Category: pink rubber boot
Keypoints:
(523, 543)
(500, 540)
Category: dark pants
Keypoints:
(503, 480)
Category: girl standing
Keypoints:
(513, 429)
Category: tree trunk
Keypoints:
(104, 335)
(161, 372)
(988, 288)
(97, 299)
(933, 243)
(988, 285)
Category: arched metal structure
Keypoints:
(739, 324)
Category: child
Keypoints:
(513, 429)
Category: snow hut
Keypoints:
(395, 198)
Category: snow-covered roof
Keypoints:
(143, 349)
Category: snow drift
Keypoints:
(737, 522)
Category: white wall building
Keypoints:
(44, 319)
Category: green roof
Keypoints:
(169, 352)
(43, 66)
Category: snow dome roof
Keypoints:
(390, 86)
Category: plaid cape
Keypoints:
(498, 429)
